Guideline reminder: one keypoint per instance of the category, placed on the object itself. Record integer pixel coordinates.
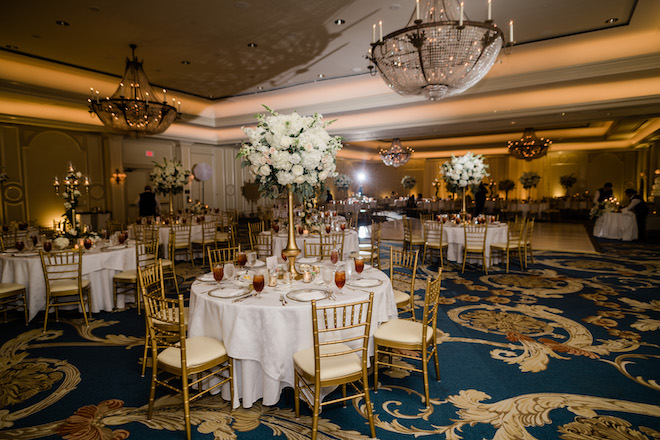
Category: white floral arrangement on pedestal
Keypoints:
(289, 150)
(169, 177)
(408, 182)
(464, 171)
(61, 242)
(343, 181)
(607, 205)
(529, 179)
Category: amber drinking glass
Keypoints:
(300, 229)
(343, 226)
(328, 228)
(276, 228)
(241, 259)
(283, 256)
(87, 243)
(218, 272)
(340, 278)
(258, 282)
(359, 265)
(48, 246)
(20, 245)
(121, 238)
(334, 256)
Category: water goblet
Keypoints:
(121, 238)
(276, 228)
(327, 275)
(218, 272)
(35, 239)
(327, 229)
(229, 270)
(251, 258)
(340, 279)
(343, 226)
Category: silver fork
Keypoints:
(282, 299)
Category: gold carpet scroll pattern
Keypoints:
(605, 427)
(541, 284)
(22, 378)
(525, 326)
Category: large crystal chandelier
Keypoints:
(134, 108)
(438, 54)
(529, 146)
(396, 155)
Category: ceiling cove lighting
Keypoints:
(397, 154)
(439, 53)
(530, 146)
(134, 108)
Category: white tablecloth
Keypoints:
(351, 243)
(261, 335)
(98, 267)
(617, 226)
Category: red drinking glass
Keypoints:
(48, 246)
(300, 229)
(20, 245)
(340, 279)
(343, 226)
(258, 282)
(87, 243)
(334, 256)
(121, 238)
(241, 259)
(327, 229)
(359, 265)
(218, 272)
(276, 228)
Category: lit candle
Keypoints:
(417, 8)
(307, 277)
(91, 92)
(174, 102)
(147, 97)
(87, 183)
(164, 95)
(460, 15)
(373, 34)
(179, 105)
(490, 10)
(97, 96)
(380, 26)
(511, 32)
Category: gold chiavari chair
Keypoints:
(145, 232)
(338, 357)
(63, 276)
(372, 252)
(514, 243)
(10, 238)
(410, 239)
(263, 245)
(403, 271)
(434, 240)
(180, 242)
(400, 337)
(127, 281)
(191, 361)
(475, 243)
(223, 255)
(13, 297)
(425, 216)
(254, 229)
(114, 226)
(527, 240)
(209, 231)
(227, 232)
(313, 249)
(339, 238)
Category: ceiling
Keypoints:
(576, 76)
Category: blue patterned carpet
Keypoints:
(569, 349)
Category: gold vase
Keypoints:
(291, 251)
(171, 205)
(464, 211)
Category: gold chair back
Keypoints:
(223, 255)
(475, 242)
(180, 241)
(403, 271)
(254, 229)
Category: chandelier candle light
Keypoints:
(134, 108)
(530, 146)
(438, 54)
(397, 154)
(463, 171)
(287, 154)
(71, 193)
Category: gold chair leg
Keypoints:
(425, 372)
(296, 394)
(367, 402)
(186, 407)
(375, 369)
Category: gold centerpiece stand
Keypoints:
(291, 251)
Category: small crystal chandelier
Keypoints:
(134, 108)
(438, 54)
(397, 154)
(529, 146)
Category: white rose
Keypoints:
(297, 170)
(264, 170)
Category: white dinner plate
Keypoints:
(229, 292)
(26, 254)
(308, 294)
(115, 247)
(206, 277)
(307, 260)
(364, 282)
(257, 263)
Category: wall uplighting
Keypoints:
(118, 176)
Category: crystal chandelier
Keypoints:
(529, 146)
(396, 155)
(134, 108)
(438, 54)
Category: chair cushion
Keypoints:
(332, 367)
(12, 288)
(166, 263)
(199, 350)
(222, 236)
(126, 276)
(499, 245)
(401, 298)
(403, 331)
(60, 286)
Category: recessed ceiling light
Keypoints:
(252, 44)
(321, 75)
(340, 21)
(260, 87)
(62, 23)
(185, 62)
(611, 20)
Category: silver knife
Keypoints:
(245, 297)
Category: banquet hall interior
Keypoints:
(553, 336)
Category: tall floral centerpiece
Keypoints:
(408, 182)
(463, 171)
(529, 179)
(343, 182)
(287, 154)
(169, 178)
(567, 182)
(506, 185)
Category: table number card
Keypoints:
(271, 263)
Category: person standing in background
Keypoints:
(328, 196)
(480, 195)
(148, 204)
(603, 193)
(638, 207)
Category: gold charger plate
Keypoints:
(308, 294)
(364, 282)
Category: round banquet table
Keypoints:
(455, 236)
(261, 334)
(617, 226)
(351, 242)
(99, 266)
